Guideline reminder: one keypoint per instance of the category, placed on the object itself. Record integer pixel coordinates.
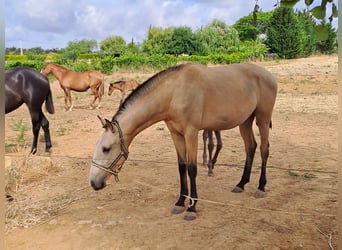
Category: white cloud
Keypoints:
(51, 23)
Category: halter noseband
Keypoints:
(124, 153)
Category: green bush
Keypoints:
(15, 57)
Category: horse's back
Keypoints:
(222, 97)
(23, 84)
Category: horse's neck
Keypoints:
(142, 114)
(58, 72)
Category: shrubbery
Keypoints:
(108, 65)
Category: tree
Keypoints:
(249, 29)
(217, 37)
(75, 48)
(307, 24)
(183, 41)
(113, 46)
(284, 35)
(329, 45)
(157, 40)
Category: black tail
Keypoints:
(49, 104)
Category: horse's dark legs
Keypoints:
(246, 132)
(264, 150)
(45, 125)
(218, 146)
(205, 138)
(210, 150)
(179, 205)
(212, 160)
(35, 119)
(186, 148)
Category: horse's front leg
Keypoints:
(191, 141)
(67, 98)
(179, 142)
(247, 135)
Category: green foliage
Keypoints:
(328, 46)
(113, 46)
(249, 28)
(284, 35)
(35, 64)
(307, 24)
(217, 37)
(182, 41)
(157, 39)
(10, 57)
(319, 12)
(75, 48)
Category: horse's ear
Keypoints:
(110, 125)
(103, 122)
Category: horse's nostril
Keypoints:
(97, 187)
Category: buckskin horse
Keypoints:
(125, 87)
(189, 98)
(25, 85)
(76, 81)
(208, 136)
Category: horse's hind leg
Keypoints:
(35, 117)
(264, 151)
(218, 147)
(210, 150)
(45, 125)
(247, 135)
(205, 138)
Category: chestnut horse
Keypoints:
(189, 98)
(208, 136)
(25, 85)
(76, 81)
(125, 87)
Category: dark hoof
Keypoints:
(210, 173)
(9, 197)
(190, 215)
(237, 190)
(178, 209)
(260, 194)
(33, 151)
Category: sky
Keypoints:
(53, 23)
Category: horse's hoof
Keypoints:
(190, 215)
(9, 197)
(237, 190)
(178, 210)
(211, 174)
(260, 194)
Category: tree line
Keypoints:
(283, 32)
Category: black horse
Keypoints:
(25, 85)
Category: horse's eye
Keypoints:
(105, 149)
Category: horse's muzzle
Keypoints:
(97, 187)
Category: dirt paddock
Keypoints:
(55, 208)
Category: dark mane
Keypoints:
(146, 86)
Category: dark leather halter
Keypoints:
(113, 168)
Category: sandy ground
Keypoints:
(55, 208)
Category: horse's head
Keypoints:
(46, 69)
(109, 155)
(115, 85)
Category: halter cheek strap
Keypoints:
(113, 168)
